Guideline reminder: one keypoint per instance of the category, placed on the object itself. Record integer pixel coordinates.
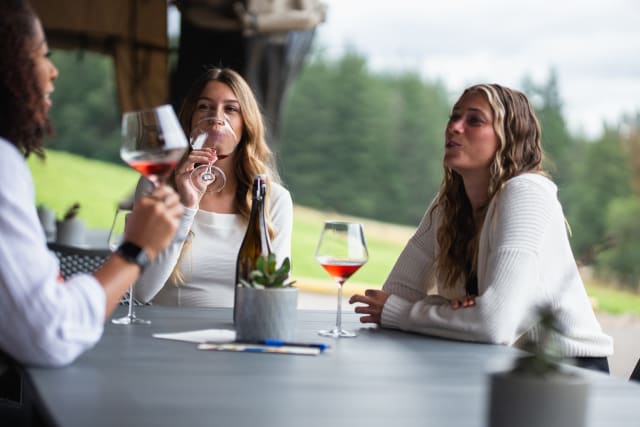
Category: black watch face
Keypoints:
(133, 253)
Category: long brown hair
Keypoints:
(253, 155)
(20, 99)
(519, 151)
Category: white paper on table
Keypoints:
(202, 335)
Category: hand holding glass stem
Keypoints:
(216, 133)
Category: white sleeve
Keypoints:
(281, 216)
(43, 321)
(412, 275)
(511, 285)
(156, 274)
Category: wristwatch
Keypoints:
(133, 254)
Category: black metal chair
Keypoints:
(74, 260)
(635, 375)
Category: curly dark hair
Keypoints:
(20, 98)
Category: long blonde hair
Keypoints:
(253, 155)
(519, 151)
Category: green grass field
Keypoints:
(64, 179)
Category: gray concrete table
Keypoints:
(381, 378)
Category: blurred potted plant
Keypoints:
(70, 230)
(47, 217)
(267, 303)
(537, 391)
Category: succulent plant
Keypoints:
(266, 275)
(71, 212)
(544, 358)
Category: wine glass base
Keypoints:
(126, 320)
(337, 333)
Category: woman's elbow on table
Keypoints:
(493, 325)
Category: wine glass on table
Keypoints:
(216, 133)
(152, 143)
(341, 251)
(116, 237)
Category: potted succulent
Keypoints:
(537, 391)
(70, 230)
(267, 303)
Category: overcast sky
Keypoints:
(594, 45)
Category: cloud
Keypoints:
(593, 47)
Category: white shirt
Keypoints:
(209, 265)
(524, 262)
(43, 321)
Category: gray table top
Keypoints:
(379, 378)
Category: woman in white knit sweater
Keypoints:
(493, 247)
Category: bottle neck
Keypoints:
(258, 216)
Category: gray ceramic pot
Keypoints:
(70, 232)
(266, 314)
(557, 400)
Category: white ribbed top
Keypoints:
(524, 262)
(209, 265)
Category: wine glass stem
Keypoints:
(339, 312)
(131, 314)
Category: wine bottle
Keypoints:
(256, 242)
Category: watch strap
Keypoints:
(133, 253)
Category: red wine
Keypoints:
(154, 164)
(340, 270)
(151, 167)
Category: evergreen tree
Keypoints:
(86, 118)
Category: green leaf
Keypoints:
(268, 275)
(260, 264)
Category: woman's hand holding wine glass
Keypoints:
(152, 143)
(190, 193)
(142, 228)
(212, 139)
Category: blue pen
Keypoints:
(261, 348)
(321, 346)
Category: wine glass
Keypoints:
(116, 237)
(217, 133)
(341, 250)
(152, 142)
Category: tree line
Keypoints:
(370, 144)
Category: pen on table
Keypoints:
(280, 343)
(261, 348)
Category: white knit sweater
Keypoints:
(524, 262)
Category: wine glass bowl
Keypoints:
(341, 251)
(217, 133)
(152, 142)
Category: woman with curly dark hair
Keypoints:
(43, 320)
(23, 115)
(493, 246)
